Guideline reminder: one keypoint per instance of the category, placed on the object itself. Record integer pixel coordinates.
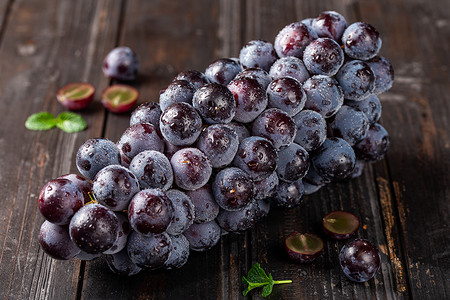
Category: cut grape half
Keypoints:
(303, 247)
(76, 96)
(340, 225)
(119, 98)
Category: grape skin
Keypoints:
(350, 124)
(323, 95)
(55, 241)
(215, 103)
(289, 66)
(84, 184)
(196, 78)
(152, 170)
(356, 79)
(361, 41)
(177, 91)
(206, 208)
(148, 112)
(240, 129)
(311, 129)
(375, 145)
(329, 24)
(203, 236)
(241, 220)
(222, 70)
(122, 236)
(323, 56)
(179, 255)
(265, 188)
(191, 168)
(384, 74)
(293, 39)
(183, 212)
(359, 260)
(121, 264)
(121, 63)
(149, 251)
(289, 194)
(257, 74)
(286, 94)
(257, 54)
(371, 107)
(293, 163)
(232, 189)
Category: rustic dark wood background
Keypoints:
(402, 201)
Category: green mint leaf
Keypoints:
(40, 121)
(268, 288)
(257, 274)
(70, 122)
(256, 277)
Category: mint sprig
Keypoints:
(256, 278)
(40, 121)
(66, 121)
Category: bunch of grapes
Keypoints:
(222, 146)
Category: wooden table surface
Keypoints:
(402, 201)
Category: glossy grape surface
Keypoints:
(311, 129)
(222, 70)
(149, 251)
(384, 74)
(265, 188)
(183, 212)
(215, 103)
(232, 189)
(122, 235)
(289, 67)
(240, 129)
(359, 260)
(180, 252)
(289, 194)
(148, 112)
(356, 79)
(55, 241)
(286, 94)
(84, 184)
(206, 207)
(191, 168)
(329, 24)
(203, 236)
(257, 54)
(323, 95)
(196, 78)
(241, 220)
(375, 145)
(323, 56)
(176, 91)
(121, 264)
(371, 107)
(350, 124)
(121, 64)
(361, 41)
(152, 170)
(258, 74)
(293, 163)
(293, 39)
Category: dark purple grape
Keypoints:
(310, 188)
(361, 41)
(206, 208)
(314, 178)
(222, 70)
(183, 212)
(289, 67)
(265, 188)
(329, 24)
(148, 112)
(286, 94)
(323, 57)
(350, 124)
(263, 208)
(293, 163)
(358, 170)
(114, 186)
(203, 236)
(311, 129)
(196, 78)
(334, 159)
(232, 189)
(356, 79)
(257, 54)
(371, 107)
(240, 129)
(257, 156)
(375, 145)
(241, 220)
(94, 155)
(121, 64)
(384, 74)
(293, 39)
(59, 200)
(258, 74)
(149, 251)
(215, 103)
(276, 126)
(94, 228)
(219, 143)
(359, 260)
(153, 170)
(307, 22)
(180, 252)
(84, 184)
(191, 168)
(150, 212)
(177, 91)
(289, 194)
(122, 236)
(180, 124)
(121, 264)
(55, 241)
(250, 97)
(138, 138)
(323, 95)
(171, 149)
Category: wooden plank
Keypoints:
(43, 48)
(5, 7)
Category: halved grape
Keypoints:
(303, 247)
(76, 96)
(340, 225)
(119, 98)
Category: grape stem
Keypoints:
(282, 281)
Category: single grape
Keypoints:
(215, 103)
(138, 138)
(265, 188)
(311, 129)
(177, 91)
(150, 212)
(232, 189)
(219, 143)
(222, 70)
(196, 78)
(359, 260)
(276, 126)
(240, 129)
(191, 168)
(114, 186)
(180, 252)
(257, 157)
(334, 159)
(258, 74)
(384, 74)
(206, 208)
(250, 97)
(94, 155)
(356, 79)
(257, 54)
(323, 56)
(55, 241)
(350, 124)
(375, 145)
(152, 170)
(358, 170)
(122, 236)
(286, 94)
(183, 212)
(293, 39)
(59, 200)
(203, 236)
(180, 124)
(371, 107)
(148, 112)
(361, 41)
(289, 194)
(84, 184)
(149, 251)
(241, 220)
(323, 95)
(121, 264)
(329, 24)
(121, 64)
(94, 228)
(289, 67)
(293, 163)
